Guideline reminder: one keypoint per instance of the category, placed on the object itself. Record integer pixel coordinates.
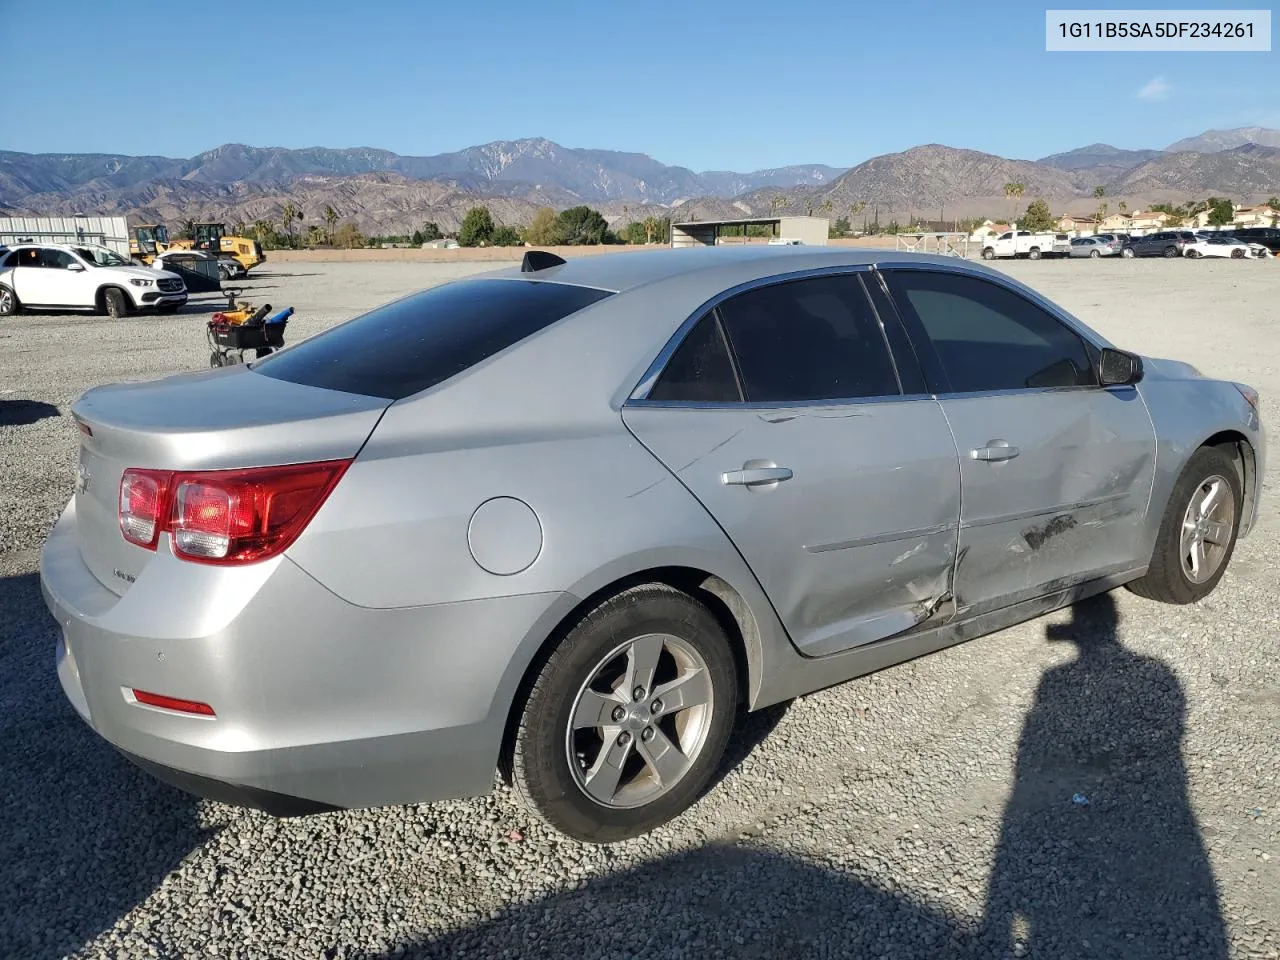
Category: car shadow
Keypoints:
(750, 731)
(1100, 854)
(717, 901)
(21, 413)
(86, 835)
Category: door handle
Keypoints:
(750, 476)
(995, 451)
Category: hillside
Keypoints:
(1213, 141)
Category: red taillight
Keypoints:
(172, 703)
(231, 516)
(143, 501)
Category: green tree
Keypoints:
(1221, 211)
(477, 228)
(187, 231)
(1273, 203)
(582, 226)
(347, 236)
(840, 227)
(1100, 194)
(330, 218)
(315, 235)
(430, 231)
(507, 237)
(543, 231)
(1012, 191)
(1037, 218)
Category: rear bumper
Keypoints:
(319, 704)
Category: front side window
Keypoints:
(26, 257)
(56, 259)
(815, 339)
(988, 337)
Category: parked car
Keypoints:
(1165, 243)
(84, 276)
(1092, 247)
(1220, 246)
(229, 268)
(380, 564)
(1268, 237)
(1027, 244)
(1117, 240)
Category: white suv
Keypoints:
(83, 277)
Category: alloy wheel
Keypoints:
(640, 720)
(1207, 528)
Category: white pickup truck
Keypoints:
(1024, 243)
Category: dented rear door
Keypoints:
(782, 413)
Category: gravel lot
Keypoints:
(926, 811)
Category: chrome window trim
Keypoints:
(640, 393)
(766, 405)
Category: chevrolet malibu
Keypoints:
(564, 521)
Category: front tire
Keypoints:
(1033, 253)
(1094, 254)
(116, 303)
(988, 253)
(1170, 252)
(628, 718)
(1128, 253)
(9, 304)
(1198, 532)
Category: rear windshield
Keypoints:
(407, 346)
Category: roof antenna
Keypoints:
(535, 260)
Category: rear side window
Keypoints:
(407, 346)
(700, 371)
(808, 340)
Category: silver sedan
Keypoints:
(564, 520)
(1094, 247)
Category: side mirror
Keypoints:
(75, 267)
(1118, 368)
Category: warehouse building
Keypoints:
(811, 231)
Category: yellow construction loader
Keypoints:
(212, 238)
(148, 241)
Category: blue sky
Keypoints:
(709, 85)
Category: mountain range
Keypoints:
(386, 192)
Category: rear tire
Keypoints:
(116, 303)
(1171, 576)
(1033, 253)
(9, 303)
(988, 253)
(1193, 254)
(1170, 251)
(1094, 254)
(583, 710)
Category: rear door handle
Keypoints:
(995, 451)
(750, 476)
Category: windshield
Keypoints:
(97, 256)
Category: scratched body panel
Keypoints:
(1070, 506)
(859, 544)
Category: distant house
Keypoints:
(1117, 222)
(987, 228)
(1151, 220)
(1078, 225)
(1259, 216)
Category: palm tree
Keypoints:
(1124, 207)
(289, 214)
(775, 203)
(1013, 191)
(330, 219)
(1099, 194)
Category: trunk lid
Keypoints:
(213, 420)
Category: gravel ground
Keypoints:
(926, 811)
